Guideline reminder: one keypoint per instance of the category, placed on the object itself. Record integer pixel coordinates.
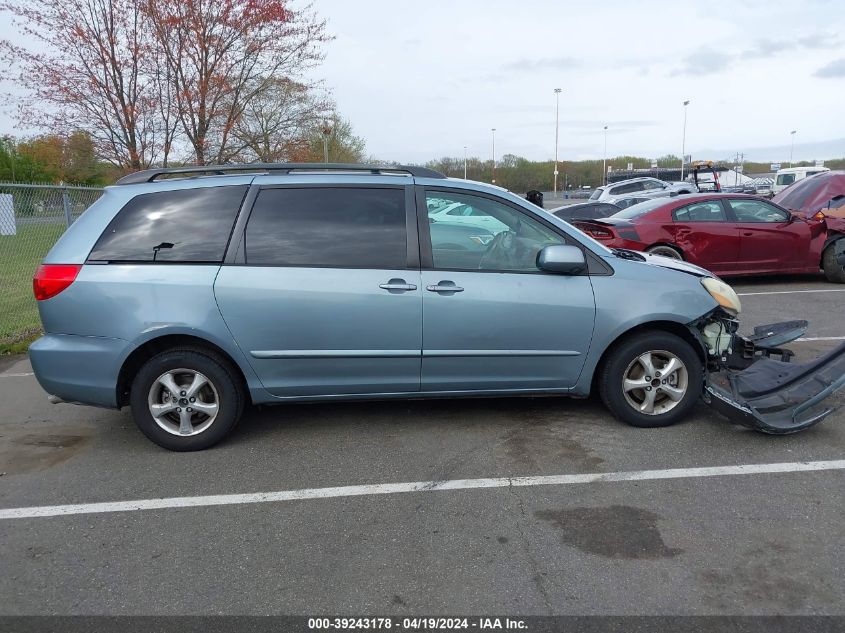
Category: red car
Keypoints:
(728, 234)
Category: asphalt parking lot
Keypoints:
(678, 543)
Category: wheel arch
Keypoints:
(671, 327)
(143, 352)
(671, 245)
(832, 238)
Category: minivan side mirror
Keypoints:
(562, 259)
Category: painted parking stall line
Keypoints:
(787, 292)
(416, 487)
(20, 375)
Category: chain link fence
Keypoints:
(32, 218)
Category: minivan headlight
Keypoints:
(723, 294)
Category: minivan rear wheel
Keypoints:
(186, 399)
(652, 379)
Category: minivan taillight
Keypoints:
(51, 279)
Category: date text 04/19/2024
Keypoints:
(417, 623)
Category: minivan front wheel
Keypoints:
(186, 400)
(652, 379)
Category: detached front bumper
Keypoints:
(752, 388)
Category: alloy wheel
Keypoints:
(183, 402)
(655, 382)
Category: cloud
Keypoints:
(819, 40)
(766, 47)
(543, 63)
(704, 61)
(708, 61)
(835, 68)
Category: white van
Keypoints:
(786, 177)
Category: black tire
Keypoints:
(834, 271)
(229, 395)
(620, 358)
(666, 251)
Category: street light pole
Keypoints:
(604, 162)
(684, 139)
(465, 162)
(557, 120)
(327, 130)
(493, 130)
(792, 146)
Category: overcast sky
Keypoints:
(423, 80)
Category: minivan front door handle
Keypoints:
(445, 287)
(397, 284)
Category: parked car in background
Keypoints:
(763, 189)
(466, 243)
(582, 193)
(823, 193)
(789, 175)
(585, 211)
(729, 234)
(647, 187)
(459, 213)
(624, 203)
(629, 201)
(189, 298)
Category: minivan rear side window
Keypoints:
(184, 226)
(331, 227)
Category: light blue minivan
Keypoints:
(191, 293)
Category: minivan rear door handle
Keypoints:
(445, 287)
(397, 285)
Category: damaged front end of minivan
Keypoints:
(752, 380)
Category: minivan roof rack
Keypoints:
(150, 175)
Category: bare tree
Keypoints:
(85, 72)
(274, 125)
(221, 55)
(341, 143)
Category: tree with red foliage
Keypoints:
(143, 77)
(222, 54)
(85, 71)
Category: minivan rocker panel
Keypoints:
(196, 296)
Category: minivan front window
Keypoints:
(487, 235)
